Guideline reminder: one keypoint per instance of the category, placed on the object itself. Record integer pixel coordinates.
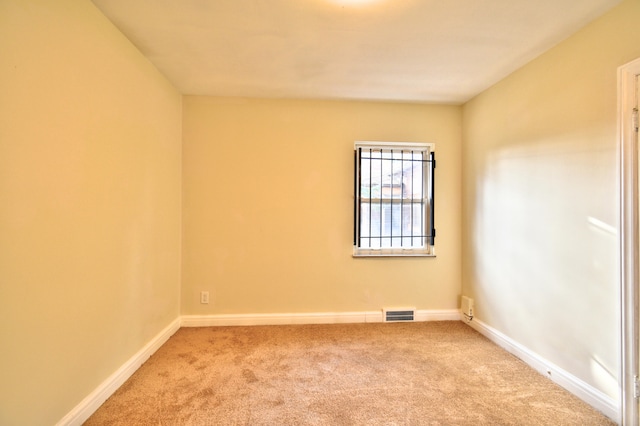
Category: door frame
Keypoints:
(629, 230)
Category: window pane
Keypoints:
(393, 197)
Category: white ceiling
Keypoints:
(401, 50)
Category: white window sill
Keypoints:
(388, 253)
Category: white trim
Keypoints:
(279, 319)
(592, 396)
(95, 399)
(372, 253)
(309, 318)
(628, 166)
(438, 315)
(418, 146)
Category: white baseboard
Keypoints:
(438, 315)
(95, 399)
(279, 319)
(592, 396)
(309, 318)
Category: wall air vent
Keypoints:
(399, 315)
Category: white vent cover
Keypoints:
(399, 314)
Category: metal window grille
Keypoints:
(394, 198)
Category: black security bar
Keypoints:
(387, 202)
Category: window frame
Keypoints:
(426, 201)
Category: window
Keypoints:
(394, 199)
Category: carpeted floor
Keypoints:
(428, 373)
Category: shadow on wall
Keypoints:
(545, 248)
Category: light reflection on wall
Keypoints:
(545, 248)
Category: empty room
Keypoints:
(316, 212)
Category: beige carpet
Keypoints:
(433, 373)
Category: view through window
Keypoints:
(394, 199)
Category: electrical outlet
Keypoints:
(204, 297)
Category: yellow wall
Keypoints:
(91, 168)
(540, 200)
(268, 207)
(90, 164)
